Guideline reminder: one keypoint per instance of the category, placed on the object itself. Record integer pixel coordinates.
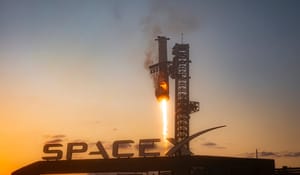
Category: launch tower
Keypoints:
(178, 69)
(183, 106)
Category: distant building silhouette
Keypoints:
(287, 171)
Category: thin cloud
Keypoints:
(209, 144)
(56, 136)
(269, 154)
(213, 145)
(79, 140)
(59, 136)
(262, 154)
(291, 154)
(54, 141)
(273, 154)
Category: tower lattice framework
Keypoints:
(179, 71)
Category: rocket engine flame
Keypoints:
(162, 91)
(163, 85)
(164, 110)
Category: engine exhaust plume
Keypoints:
(164, 110)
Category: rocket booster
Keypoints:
(162, 81)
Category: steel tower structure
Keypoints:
(178, 69)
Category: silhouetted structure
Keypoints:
(177, 69)
(287, 171)
(183, 106)
(183, 165)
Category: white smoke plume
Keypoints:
(166, 18)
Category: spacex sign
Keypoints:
(144, 147)
(54, 152)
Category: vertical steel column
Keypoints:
(183, 106)
(181, 69)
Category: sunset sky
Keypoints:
(74, 70)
